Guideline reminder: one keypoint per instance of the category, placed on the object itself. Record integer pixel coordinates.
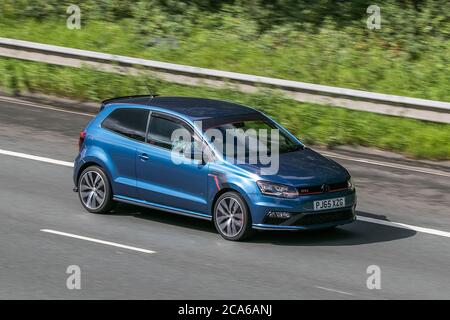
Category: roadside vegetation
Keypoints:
(324, 41)
(313, 124)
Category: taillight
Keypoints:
(81, 139)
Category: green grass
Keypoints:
(313, 124)
(351, 58)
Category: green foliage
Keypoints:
(405, 19)
(323, 41)
(313, 124)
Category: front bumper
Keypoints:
(303, 217)
(312, 221)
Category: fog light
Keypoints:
(279, 215)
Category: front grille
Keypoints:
(323, 188)
(338, 186)
(325, 217)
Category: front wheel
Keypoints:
(94, 190)
(231, 217)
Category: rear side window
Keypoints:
(131, 123)
(161, 129)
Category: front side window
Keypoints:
(131, 123)
(160, 131)
(174, 135)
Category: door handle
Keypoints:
(144, 157)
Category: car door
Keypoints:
(161, 180)
(125, 130)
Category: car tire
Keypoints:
(232, 217)
(94, 190)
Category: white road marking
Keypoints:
(366, 219)
(388, 164)
(35, 105)
(114, 244)
(36, 158)
(333, 290)
(406, 226)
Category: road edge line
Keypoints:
(405, 226)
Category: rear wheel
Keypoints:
(94, 190)
(231, 217)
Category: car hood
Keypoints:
(303, 168)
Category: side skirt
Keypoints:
(151, 205)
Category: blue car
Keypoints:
(134, 152)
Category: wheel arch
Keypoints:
(226, 189)
(88, 164)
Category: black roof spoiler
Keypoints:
(117, 99)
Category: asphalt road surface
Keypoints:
(186, 258)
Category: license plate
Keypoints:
(329, 204)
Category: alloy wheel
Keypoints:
(229, 216)
(92, 190)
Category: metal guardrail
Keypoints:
(423, 109)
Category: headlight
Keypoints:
(277, 190)
(350, 184)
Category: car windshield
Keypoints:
(243, 138)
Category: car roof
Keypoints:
(193, 108)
